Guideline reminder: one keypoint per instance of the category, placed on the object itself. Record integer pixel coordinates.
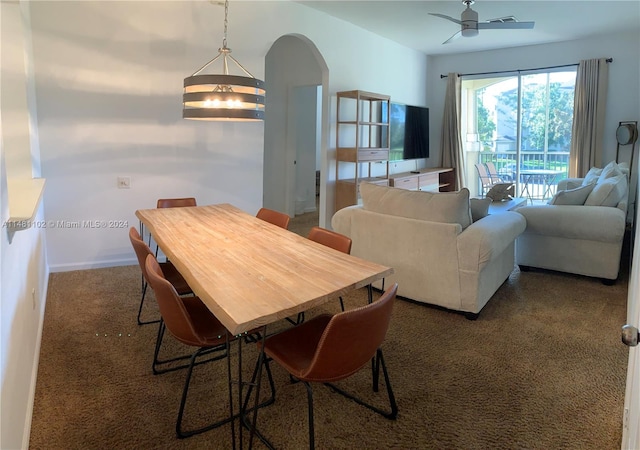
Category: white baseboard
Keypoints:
(92, 265)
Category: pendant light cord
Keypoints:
(224, 51)
(226, 23)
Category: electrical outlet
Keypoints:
(124, 182)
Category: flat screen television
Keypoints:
(409, 131)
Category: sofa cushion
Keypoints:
(611, 170)
(479, 208)
(575, 196)
(444, 207)
(608, 192)
(592, 176)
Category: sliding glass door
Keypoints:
(521, 124)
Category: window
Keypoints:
(522, 124)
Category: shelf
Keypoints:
(355, 122)
(363, 95)
(362, 154)
(374, 180)
(24, 198)
(363, 138)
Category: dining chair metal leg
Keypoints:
(180, 432)
(144, 293)
(312, 440)
(393, 412)
(256, 379)
(244, 421)
(157, 363)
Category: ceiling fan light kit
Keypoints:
(469, 25)
(223, 96)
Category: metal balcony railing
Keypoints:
(533, 182)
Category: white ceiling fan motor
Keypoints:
(469, 19)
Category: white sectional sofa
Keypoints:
(582, 230)
(439, 256)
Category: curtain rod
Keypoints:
(519, 70)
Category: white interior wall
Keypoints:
(23, 268)
(109, 83)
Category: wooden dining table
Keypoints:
(251, 273)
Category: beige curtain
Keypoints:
(588, 116)
(451, 151)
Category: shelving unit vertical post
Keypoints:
(362, 137)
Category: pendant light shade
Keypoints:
(223, 96)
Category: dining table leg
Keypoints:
(238, 438)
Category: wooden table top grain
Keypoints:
(249, 272)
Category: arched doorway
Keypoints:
(295, 140)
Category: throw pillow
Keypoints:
(608, 192)
(592, 176)
(445, 207)
(611, 170)
(479, 208)
(575, 196)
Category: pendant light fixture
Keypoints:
(223, 96)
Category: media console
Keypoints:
(435, 179)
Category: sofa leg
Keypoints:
(608, 282)
(524, 268)
(471, 316)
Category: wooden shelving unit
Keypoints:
(362, 139)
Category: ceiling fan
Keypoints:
(469, 24)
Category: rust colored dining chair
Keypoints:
(329, 348)
(176, 202)
(189, 320)
(274, 217)
(180, 285)
(171, 273)
(331, 239)
(173, 203)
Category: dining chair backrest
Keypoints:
(331, 239)
(172, 309)
(351, 339)
(142, 250)
(274, 217)
(176, 202)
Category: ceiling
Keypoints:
(408, 22)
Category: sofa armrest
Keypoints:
(569, 183)
(341, 220)
(594, 223)
(487, 238)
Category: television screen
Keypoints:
(409, 132)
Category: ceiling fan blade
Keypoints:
(455, 36)
(446, 17)
(505, 25)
